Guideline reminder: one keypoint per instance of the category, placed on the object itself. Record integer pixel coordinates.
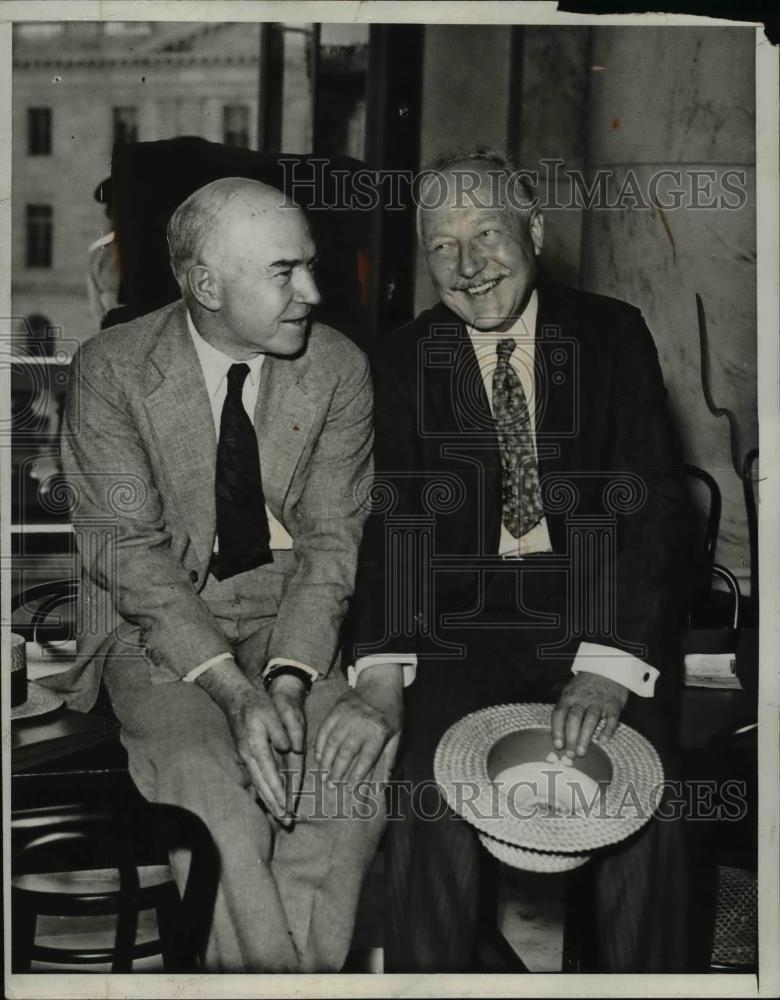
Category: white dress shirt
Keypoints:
(591, 657)
(215, 365)
(522, 361)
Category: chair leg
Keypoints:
(23, 926)
(174, 932)
(494, 952)
(126, 930)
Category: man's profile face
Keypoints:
(264, 259)
(482, 254)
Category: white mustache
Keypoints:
(477, 284)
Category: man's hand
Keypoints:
(256, 727)
(361, 724)
(288, 694)
(585, 701)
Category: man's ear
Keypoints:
(536, 229)
(204, 287)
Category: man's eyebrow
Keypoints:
(293, 262)
(437, 234)
(494, 215)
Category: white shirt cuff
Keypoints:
(276, 661)
(617, 665)
(195, 673)
(407, 660)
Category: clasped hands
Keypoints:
(268, 727)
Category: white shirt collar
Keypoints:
(523, 329)
(215, 364)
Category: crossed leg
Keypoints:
(286, 900)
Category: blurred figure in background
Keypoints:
(103, 263)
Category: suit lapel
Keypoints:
(556, 378)
(457, 397)
(284, 417)
(180, 413)
(455, 389)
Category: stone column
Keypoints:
(682, 101)
(466, 80)
(549, 134)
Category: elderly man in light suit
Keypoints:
(216, 450)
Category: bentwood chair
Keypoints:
(86, 861)
(101, 859)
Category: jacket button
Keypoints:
(194, 575)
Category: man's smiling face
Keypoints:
(482, 253)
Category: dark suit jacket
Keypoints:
(139, 453)
(609, 460)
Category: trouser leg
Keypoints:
(181, 752)
(432, 860)
(640, 895)
(286, 900)
(642, 886)
(321, 863)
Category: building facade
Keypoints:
(79, 87)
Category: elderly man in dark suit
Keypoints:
(519, 422)
(216, 450)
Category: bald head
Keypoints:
(481, 177)
(205, 221)
(244, 257)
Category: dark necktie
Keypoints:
(521, 493)
(242, 523)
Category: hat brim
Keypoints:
(532, 861)
(39, 701)
(624, 805)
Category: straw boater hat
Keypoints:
(533, 807)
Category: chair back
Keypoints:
(707, 501)
(120, 837)
(149, 180)
(714, 616)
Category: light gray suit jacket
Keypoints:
(139, 453)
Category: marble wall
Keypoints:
(466, 79)
(682, 101)
(550, 134)
(631, 103)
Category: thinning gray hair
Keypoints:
(196, 220)
(489, 162)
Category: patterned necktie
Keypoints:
(520, 493)
(242, 523)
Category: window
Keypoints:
(38, 230)
(39, 131)
(125, 125)
(40, 30)
(235, 125)
(120, 29)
